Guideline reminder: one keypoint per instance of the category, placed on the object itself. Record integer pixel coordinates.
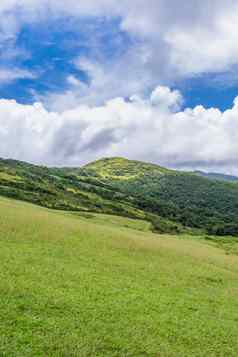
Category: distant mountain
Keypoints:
(217, 176)
(172, 201)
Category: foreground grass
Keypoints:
(72, 286)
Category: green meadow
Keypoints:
(98, 285)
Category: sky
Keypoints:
(153, 80)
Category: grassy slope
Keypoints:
(74, 286)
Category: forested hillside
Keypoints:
(187, 198)
(173, 201)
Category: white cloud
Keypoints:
(170, 41)
(138, 129)
(10, 75)
(212, 48)
(173, 40)
(166, 99)
(72, 80)
(195, 37)
(106, 80)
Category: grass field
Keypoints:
(74, 285)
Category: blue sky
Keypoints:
(48, 49)
(84, 79)
(206, 91)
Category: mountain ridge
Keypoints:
(217, 176)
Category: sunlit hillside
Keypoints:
(173, 201)
(97, 285)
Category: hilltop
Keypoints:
(121, 168)
(172, 201)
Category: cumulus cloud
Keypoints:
(152, 129)
(166, 99)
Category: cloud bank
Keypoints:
(154, 129)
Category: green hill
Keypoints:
(96, 285)
(119, 168)
(62, 189)
(172, 201)
(187, 198)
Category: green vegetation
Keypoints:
(60, 189)
(119, 168)
(76, 189)
(185, 198)
(85, 284)
(174, 202)
(117, 221)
